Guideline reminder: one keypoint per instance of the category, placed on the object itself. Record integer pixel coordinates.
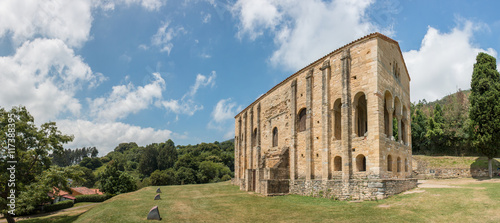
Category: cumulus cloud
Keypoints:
(164, 35)
(223, 117)
(69, 21)
(444, 62)
(127, 99)
(187, 105)
(303, 30)
(44, 75)
(106, 136)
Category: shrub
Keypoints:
(58, 206)
(92, 198)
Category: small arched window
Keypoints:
(302, 120)
(337, 162)
(389, 163)
(275, 136)
(361, 115)
(361, 162)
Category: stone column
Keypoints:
(391, 111)
(293, 149)
(251, 140)
(346, 117)
(236, 152)
(240, 172)
(245, 154)
(325, 158)
(309, 135)
(400, 137)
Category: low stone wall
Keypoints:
(447, 173)
(356, 189)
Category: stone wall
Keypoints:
(446, 173)
(358, 189)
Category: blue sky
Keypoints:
(150, 70)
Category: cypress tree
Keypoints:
(485, 107)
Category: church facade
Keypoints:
(338, 128)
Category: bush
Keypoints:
(92, 198)
(58, 206)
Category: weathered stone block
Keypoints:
(157, 197)
(154, 214)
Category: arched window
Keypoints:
(337, 119)
(387, 119)
(361, 115)
(398, 164)
(275, 137)
(301, 125)
(389, 163)
(406, 165)
(337, 162)
(361, 162)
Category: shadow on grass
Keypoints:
(54, 219)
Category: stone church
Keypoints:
(327, 130)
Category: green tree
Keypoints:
(91, 163)
(163, 177)
(55, 178)
(32, 146)
(167, 155)
(418, 131)
(210, 172)
(485, 107)
(185, 175)
(114, 181)
(88, 177)
(148, 162)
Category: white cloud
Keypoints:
(187, 105)
(106, 136)
(44, 75)
(223, 117)
(126, 99)
(202, 81)
(206, 17)
(164, 36)
(69, 21)
(303, 30)
(150, 5)
(444, 62)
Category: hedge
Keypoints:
(92, 198)
(58, 206)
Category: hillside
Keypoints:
(222, 202)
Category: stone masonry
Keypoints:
(327, 130)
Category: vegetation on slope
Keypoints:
(222, 202)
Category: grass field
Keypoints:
(222, 202)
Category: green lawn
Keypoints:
(223, 202)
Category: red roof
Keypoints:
(85, 191)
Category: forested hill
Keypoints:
(442, 127)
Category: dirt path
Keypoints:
(54, 213)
